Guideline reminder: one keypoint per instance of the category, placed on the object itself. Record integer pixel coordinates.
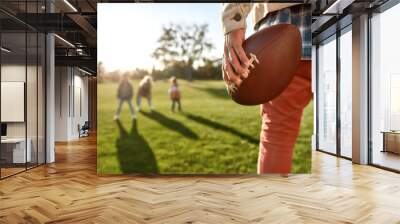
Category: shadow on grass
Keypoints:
(222, 127)
(216, 92)
(171, 124)
(134, 153)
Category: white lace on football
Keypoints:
(252, 61)
(232, 87)
(253, 58)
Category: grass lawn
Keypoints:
(212, 134)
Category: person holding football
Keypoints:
(281, 116)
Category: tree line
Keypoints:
(181, 50)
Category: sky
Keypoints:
(128, 32)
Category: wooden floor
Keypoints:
(70, 191)
(387, 159)
(5, 172)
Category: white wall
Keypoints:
(33, 126)
(71, 87)
(80, 100)
(62, 81)
(13, 73)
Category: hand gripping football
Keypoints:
(276, 53)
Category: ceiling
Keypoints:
(329, 16)
(73, 21)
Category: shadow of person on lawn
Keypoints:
(216, 92)
(222, 127)
(134, 153)
(172, 124)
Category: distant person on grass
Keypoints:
(125, 94)
(175, 94)
(145, 86)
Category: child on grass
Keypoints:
(175, 94)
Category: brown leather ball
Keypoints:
(278, 50)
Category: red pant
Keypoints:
(281, 120)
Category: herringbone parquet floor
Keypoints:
(70, 191)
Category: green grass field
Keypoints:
(212, 134)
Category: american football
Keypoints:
(275, 52)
